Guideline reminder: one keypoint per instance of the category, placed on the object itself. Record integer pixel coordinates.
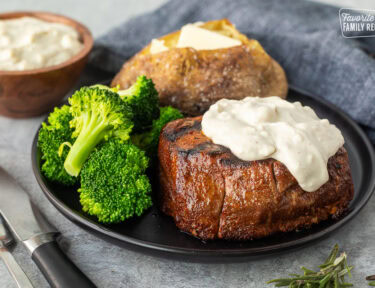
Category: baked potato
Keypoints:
(192, 80)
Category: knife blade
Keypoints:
(18, 211)
(38, 235)
(14, 269)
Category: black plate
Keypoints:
(156, 233)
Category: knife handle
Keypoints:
(58, 269)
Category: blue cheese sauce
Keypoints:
(259, 128)
(30, 43)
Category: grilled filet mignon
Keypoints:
(212, 194)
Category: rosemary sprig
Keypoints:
(331, 274)
(371, 279)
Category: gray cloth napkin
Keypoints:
(304, 37)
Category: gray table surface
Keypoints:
(110, 266)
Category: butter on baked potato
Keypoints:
(193, 79)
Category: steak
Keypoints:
(210, 193)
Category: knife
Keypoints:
(15, 270)
(32, 229)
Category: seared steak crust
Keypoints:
(212, 194)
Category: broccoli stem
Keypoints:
(91, 135)
(127, 92)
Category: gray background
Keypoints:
(110, 266)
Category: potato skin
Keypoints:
(193, 80)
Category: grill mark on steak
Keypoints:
(183, 128)
(207, 147)
(232, 160)
(194, 150)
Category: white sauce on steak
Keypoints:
(259, 128)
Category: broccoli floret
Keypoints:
(114, 186)
(51, 137)
(149, 140)
(98, 114)
(144, 102)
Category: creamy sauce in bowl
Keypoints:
(30, 43)
(259, 128)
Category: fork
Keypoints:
(14, 269)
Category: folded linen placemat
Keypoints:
(304, 37)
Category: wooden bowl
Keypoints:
(33, 92)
